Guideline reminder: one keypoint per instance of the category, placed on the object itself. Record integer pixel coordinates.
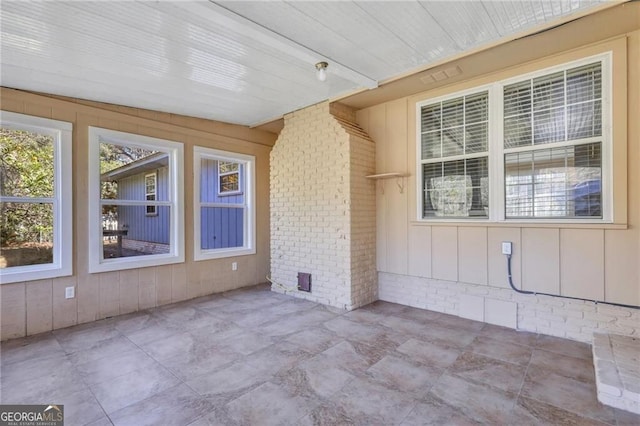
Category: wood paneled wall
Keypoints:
(33, 307)
(589, 261)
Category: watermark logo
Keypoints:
(32, 415)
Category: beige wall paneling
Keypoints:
(540, 260)
(13, 310)
(129, 290)
(81, 195)
(444, 252)
(420, 251)
(208, 272)
(38, 110)
(497, 262)
(377, 131)
(164, 281)
(217, 275)
(65, 311)
(582, 263)
(224, 277)
(395, 151)
(96, 295)
(88, 286)
(623, 108)
(194, 279)
(109, 123)
(10, 103)
(88, 295)
(472, 255)
(39, 306)
(621, 263)
(247, 270)
(178, 282)
(65, 112)
(147, 288)
(109, 293)
(262, 261)
(362, 118)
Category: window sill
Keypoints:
(229, 194)
(484, 223)
(135, 262)
(222, 253)
(19, 274)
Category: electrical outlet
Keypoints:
(69, 292)
(234, 266)
(506, 247)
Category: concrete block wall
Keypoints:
(323, 208)
(562, 317)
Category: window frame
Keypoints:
(62, 200)
(221, 174)
(151, 210)
(247, 185)
(175, 200)
(496, 150)
(420, 162)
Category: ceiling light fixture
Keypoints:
(321, 70)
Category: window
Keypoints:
(532, 147)
(35, 198)
(553, 144)
(150, 182)
(136, 211)
(228, 177)
(454, 156)
(224, 197)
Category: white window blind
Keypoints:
(532, 147)
(553, 145)
(454, 156)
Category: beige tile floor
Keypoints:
(253, 357)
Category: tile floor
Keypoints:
(253, 357)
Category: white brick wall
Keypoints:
(323, 208)
(572, 319)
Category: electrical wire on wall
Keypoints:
(557, 295)
(283, 287)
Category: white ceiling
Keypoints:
(246, 62)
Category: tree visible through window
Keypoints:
(228, 177)
(35, 193)
(135, 199)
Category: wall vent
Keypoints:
(304, 281)
(441, 75)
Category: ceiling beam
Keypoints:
(226, 18)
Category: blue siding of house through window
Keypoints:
(154, 228)
(220, 227)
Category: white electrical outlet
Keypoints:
(506, 247)
(234, 266)
(69, 292)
